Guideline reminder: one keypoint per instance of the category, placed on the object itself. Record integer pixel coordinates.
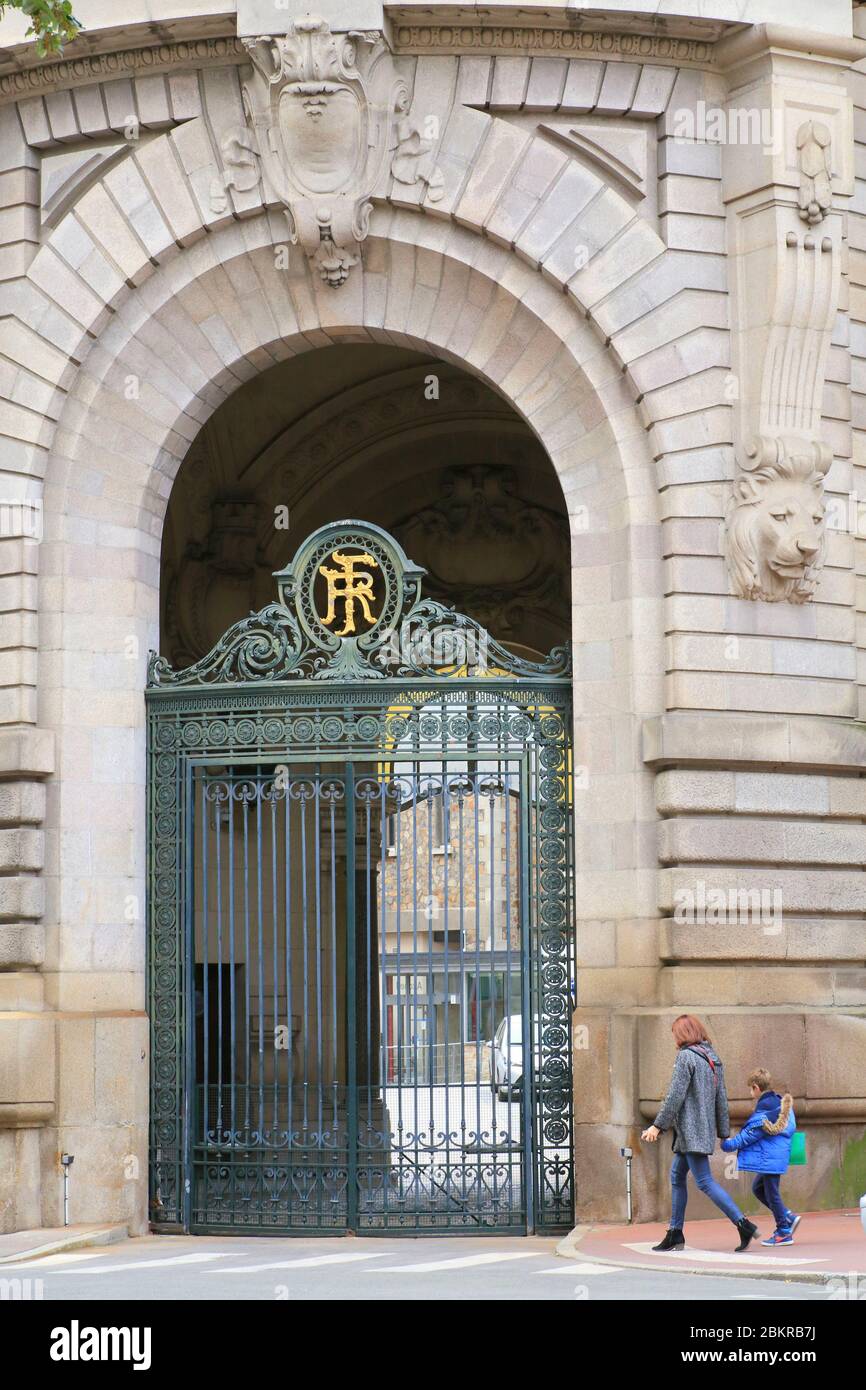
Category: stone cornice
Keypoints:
(750, 43)
(191, 44)
(79, 70)
(530, 40)
(20, 77)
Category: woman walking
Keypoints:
(696, 1108)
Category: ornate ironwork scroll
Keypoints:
(351, 609)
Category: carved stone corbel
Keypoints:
(774, 533)
(325, 110)
(785, 294)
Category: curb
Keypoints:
(94, 1235)
(568, 1249)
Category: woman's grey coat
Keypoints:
(696, 1105)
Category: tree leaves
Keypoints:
(52, 22)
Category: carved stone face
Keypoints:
(323, 135)
(776, 539)
(789, 530)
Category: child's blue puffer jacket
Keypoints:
(760, 1151)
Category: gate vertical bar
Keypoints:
(290, 1010)
(188, 992)
(220, 965)
(351, 1011)
(275, 936)
(527, 1122)
(202, 1130)
(260, 962)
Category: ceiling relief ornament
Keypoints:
(224, 538)
(326, 109)
(503, 556)
(212, 577)
(350, 607)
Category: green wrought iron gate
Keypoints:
(360, 914)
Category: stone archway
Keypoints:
(117, 451)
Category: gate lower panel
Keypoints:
(358, 1061)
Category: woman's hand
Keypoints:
(651, 1134)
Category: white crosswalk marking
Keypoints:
(572, 1267)
(748, 1257)
(461, 1262)
(151, 1264)
(309, 1263)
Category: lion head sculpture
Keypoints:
(774, 534)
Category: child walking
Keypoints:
(763, 1147)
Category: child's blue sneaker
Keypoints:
(779, 1238)
(793, 1222)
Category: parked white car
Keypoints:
(506, 1060)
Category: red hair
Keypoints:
(688, 1030)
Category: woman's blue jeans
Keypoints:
(699, 1166)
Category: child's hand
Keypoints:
(728, 1145)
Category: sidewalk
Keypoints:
(827, 1244)
(31, 1245)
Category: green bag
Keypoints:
(798, 1148)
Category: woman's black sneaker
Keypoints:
(748, 1230)
(674, 1240)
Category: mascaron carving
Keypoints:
(326, 109)
(774, 540)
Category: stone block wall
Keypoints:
(628, 278)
